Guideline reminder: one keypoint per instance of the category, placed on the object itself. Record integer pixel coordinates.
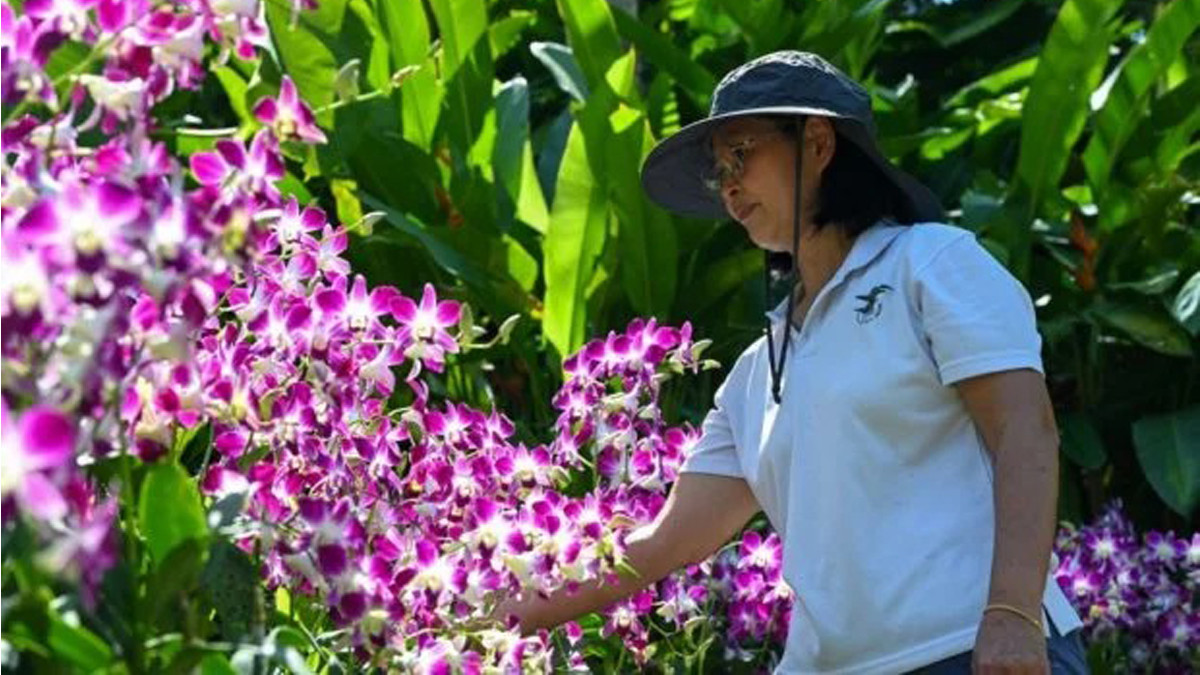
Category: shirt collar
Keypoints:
(866, 247)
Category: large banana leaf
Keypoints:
(466, 68)
(1168, 448)
(646, 234)
(421, 93)
(592, 35)
(1130, 88)
(658, 49)
(563, 65)
(1056, 108)
(1055, 111)
(512, 155)
(573, 244)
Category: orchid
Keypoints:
(288, 115)
(423, 328)
(234, 169)
(1138, 593)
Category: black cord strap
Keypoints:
(793, 275)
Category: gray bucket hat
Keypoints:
(780, 83)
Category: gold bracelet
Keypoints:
(1014, 610)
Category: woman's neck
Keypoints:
(821, 254)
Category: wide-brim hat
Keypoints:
(781, 83)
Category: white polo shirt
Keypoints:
(871, 469)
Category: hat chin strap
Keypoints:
(777, 367)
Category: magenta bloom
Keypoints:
(288, 116)
(33, 449)
(232, 166)
(424, 327)
(81, 223)
(294, 223)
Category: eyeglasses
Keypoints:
(714, 179)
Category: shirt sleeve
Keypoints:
(715, 452)
(976, 316)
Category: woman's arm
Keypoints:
(702, 512)
(1013, 413)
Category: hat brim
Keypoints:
(673, 174)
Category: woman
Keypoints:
(898, 435)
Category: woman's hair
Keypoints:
(854, 193)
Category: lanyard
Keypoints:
(793, 276)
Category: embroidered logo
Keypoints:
(872, 304)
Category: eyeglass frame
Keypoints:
(714, 179)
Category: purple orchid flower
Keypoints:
(36, 448)
(231, 166)
(289, 116)
(423, 328)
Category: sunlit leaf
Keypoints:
(574, 240)
(169, 510)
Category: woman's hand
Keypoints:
(702, 512)
(1009, 645)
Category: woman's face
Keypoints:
(755, 171)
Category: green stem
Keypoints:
(330, 107)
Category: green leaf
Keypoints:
(235, 89)
(767, 23)
(169, 510)
(445, 255)
(1186, 308)
(349, 209)
(291, 186)
(1168, 449)
(1081, 442)
(76, 645)
(573, 244)
(722, 277)
(592, 36)
(365, 41)
(407, 28)
(521, 266)
(563, 66)
(1127, 99)
(466, 68)
(621, 77)
(646, 234)
(230, 584)
(657, 48)
(1056, 109)
(531, 203)
(66, 57)
(216, 664)
(1147, 323)
(175, 576)
(512, 155)
(663, 106)
(550, 149)
(496, 290)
